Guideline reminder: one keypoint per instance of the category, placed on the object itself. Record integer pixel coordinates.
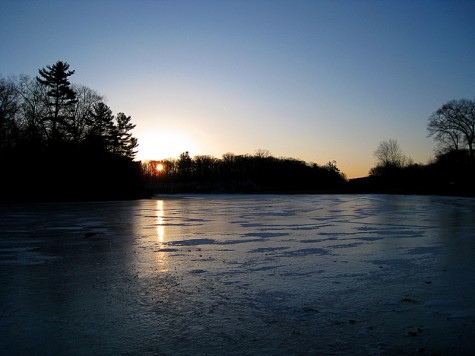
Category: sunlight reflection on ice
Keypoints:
(160, 256)
(160, 222)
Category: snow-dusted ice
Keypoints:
(239, 274)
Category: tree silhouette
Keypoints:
(124, 143)
(258, 173)
(389, 154)
(101, 122)
(60, 141)
(453, 126)
(32, 101)
(87, 100)
(184, 165)
(8, 110)
(61, 97)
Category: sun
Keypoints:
(159, 167)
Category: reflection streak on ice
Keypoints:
(160, 257)
(160, 221)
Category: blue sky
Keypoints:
(314, 80)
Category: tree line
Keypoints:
(61, 141)
(257, 173)
(452, 171)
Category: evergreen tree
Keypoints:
(61, 99)
(125, 144)
(102, 128)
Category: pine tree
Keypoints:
(101, 127)
(61, 99)
(125, 144)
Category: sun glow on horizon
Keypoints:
(164, 144)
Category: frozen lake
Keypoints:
(243, 274)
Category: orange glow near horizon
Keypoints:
(157, 145)
(159, 167)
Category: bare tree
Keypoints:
(87, 99)
(262, 153)
(9, 106)
(389, 154)
(33, 107)
(453, 126)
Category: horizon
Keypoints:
(315, 81)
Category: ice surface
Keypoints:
(306, 274)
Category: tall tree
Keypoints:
(453, 126)
(61, 98)
(125, 144)
(101, 127)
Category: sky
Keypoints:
(313, 80)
